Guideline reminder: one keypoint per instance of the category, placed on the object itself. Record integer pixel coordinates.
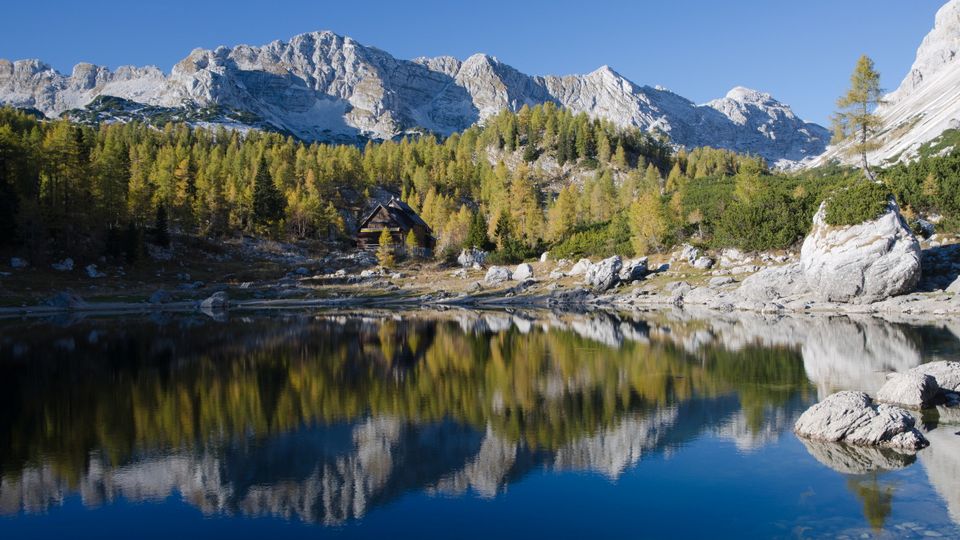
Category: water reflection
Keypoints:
(322, 418)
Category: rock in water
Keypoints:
(947, 374)
(17, 262)
(65, 300)
(853, 418)
(862, 263)
(470, 257)
(605, 274)
(160, 296)
(522, 272)
(216, 301)
(911, 389)
(495, 275)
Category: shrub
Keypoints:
(770, 221)
(862, 201)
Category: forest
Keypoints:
(537, 179)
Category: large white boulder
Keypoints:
(911, 389)
(862, 263)
(495, 275)
(947, 374)
(581, 267)
(522, 271)
(605, 274)
(774, 283)
(634, 270)
(470, 257)
(853, 418)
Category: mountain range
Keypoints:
(321, 86)
(927, 101)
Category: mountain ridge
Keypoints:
(324, 86)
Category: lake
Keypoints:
(459, 424)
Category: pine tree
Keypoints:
(268, 202)
(385, 249)
(161, 234)
(477, 236)
(854, 121)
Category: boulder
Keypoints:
(65, 300)
(853, 418)
(556, 274)
(689, 253)
(522, 272)
(17, 262)
(160, 296)
(216, 301)
(65, 265)
(495, 275)
(545, 256)
(954, 287)
(862, 263)
(730, 257)
(911, 389)
(461, 273)
(720, 281)
(774, 283)
(605, 274)
(703, 263)
(469, 258)
(92, 272)
(634, 270)
(580, 268)
(947, 374)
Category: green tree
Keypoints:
(161, 233)
(854, 120)
(385, 249)
(648, 223)
(268, 202)
(477, 235)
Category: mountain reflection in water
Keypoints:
(322, 418)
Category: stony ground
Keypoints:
(256, 273)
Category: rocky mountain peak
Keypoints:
(324, 86)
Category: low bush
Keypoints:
(859, 202)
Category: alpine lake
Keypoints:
(459, 424)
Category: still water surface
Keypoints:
(458, 425)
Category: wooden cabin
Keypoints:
(398, 218)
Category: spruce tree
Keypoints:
(268, 202)
(477, 236)
(161, 233)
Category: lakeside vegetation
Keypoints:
(538, 179)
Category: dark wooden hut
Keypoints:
(399, 219)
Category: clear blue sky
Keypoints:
(801, 51)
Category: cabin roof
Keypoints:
(400, 212)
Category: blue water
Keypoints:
(663, 460)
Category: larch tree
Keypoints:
(385, 249)
(855, 121)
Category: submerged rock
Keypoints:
(93, 272)
(862, 263)
(160, 296)
(17, 262)
(910, 389)
(495, 275)
(65, 300)
(853, 418)
(849, 459)
(216, 301)
(605, 274)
